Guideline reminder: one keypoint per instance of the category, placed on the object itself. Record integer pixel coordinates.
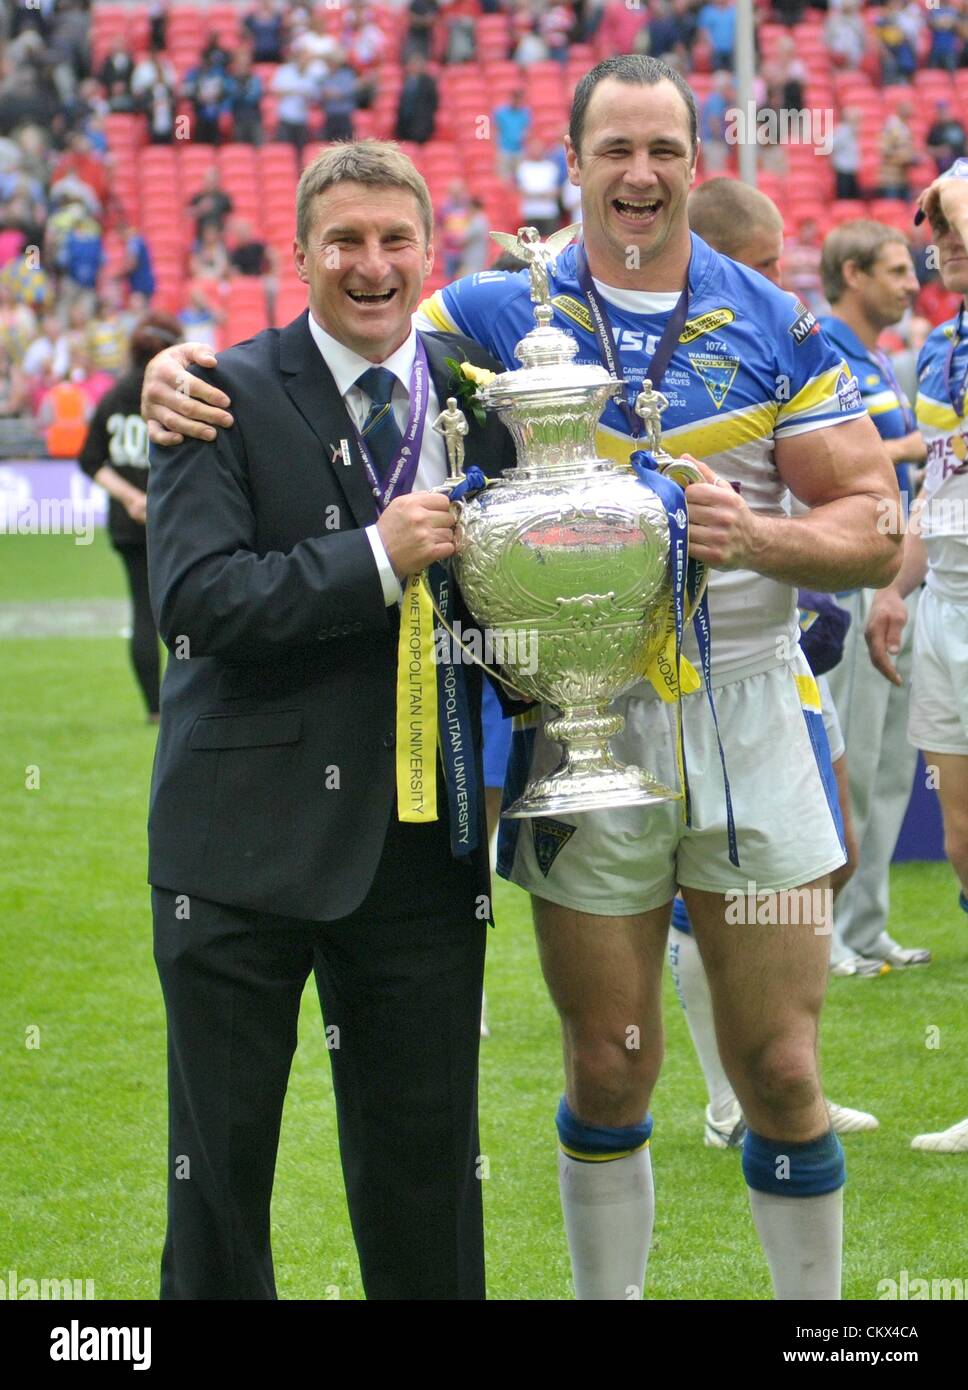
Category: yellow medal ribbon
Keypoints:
(416, 706)
(670, 687)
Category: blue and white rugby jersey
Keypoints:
(750, 368)
(944, 522)
(880, 390)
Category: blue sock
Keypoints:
(963, 901)
(794, 1170)
(599, 1143)
(680, 916)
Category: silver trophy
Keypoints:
(565, 560)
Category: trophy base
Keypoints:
(562, 794)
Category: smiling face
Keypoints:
(365, 264)
(889, 288)
(634, 168)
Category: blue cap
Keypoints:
(958, 170)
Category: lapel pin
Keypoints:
(344, 450)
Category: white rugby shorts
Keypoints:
(627, 860)
(938, 716)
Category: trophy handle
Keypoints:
(683, 472)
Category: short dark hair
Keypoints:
(637, 69)
(861, 241)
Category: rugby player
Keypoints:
(936, 554)
(755, 391)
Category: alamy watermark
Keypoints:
(907, 1288)
(17, 1287)
(790, 125)
(792, 907)
(517, 650)
(49, 516)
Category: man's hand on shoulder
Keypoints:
(177, 404)
(416, 530)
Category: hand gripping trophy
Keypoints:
(567, 557)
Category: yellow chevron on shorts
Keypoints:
(433, 309)
(602, 1158)
(809, 692)
(938, 414)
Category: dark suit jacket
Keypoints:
(282, 671)
(417, 110)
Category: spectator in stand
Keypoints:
(513, 123)
(153, 85)
(845, 155)
(69, 48)
(417, 108)
(136, 269)
(297, 88)
(947, 25)
(200, 317)
(211, 203)
(116, 71)
(209, 260)
(555, 24)
(250, 256)
(318, 43)
(622, 24)
(158, 22)
(80, 163)
(845, 35)
(115, 456)
(784, 75)
(453, 222)
(105, 339)
(477, 241)
(898, 153)
(420, 30)
(538, 182)
(14, 388)
(662, 30)
(801, 266)
(717, 24)
(362, 37)
(264, 24)
(215, 54)
(206, 88)
(18, 323)
(338, 97)
(244, 90)
(47, 359)
(946, 138)
(83, 255)
(898, 55)
(712, 123)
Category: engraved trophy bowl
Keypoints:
(565, 562)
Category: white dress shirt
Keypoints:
(346, 367)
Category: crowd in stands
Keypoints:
(149, 153)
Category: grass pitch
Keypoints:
(82, 1041)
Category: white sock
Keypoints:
(803, 1240)
(609, 1210)
(692, 987)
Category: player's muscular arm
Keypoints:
(849, 539)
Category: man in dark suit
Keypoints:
(417, 107)
(276, 554)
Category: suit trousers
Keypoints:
(401, 979)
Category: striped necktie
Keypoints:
(380, 429)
